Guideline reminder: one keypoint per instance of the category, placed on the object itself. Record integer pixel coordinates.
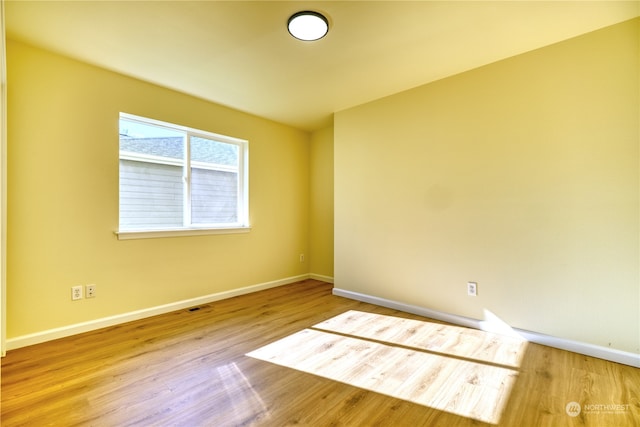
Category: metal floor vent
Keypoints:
(197, 308)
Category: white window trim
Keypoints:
(202, 229)
(180, 232)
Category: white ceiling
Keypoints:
(239, 53)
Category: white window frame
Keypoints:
(188, 229)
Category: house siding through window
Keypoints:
(152, 185)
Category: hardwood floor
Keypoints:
(297, 355)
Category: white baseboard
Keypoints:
(321, 277)
(78, 328)
(606, 353)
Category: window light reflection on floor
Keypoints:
(463, 371)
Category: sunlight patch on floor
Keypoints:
(434, 337)
(241, 400)
(458, 370)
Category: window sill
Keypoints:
(180, 232)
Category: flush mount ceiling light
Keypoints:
(308, 25)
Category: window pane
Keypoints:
(151, 195)
(214, 152)
(151, 171)
(149, 140)
(214, 181)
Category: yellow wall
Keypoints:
(521, 175)
(321, 207)
(63, 198)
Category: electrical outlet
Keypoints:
(90, 291)
(301, 257)
(76, 292)
(472, 289)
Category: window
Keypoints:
(177, 180)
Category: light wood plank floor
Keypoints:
(297, 355)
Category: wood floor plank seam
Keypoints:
(420, 350)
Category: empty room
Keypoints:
(320, 213)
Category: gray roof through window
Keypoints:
(202, 150)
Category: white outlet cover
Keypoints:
(90, 291)
(472, 288)
(76, 293)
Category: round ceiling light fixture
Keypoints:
(308, 25)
